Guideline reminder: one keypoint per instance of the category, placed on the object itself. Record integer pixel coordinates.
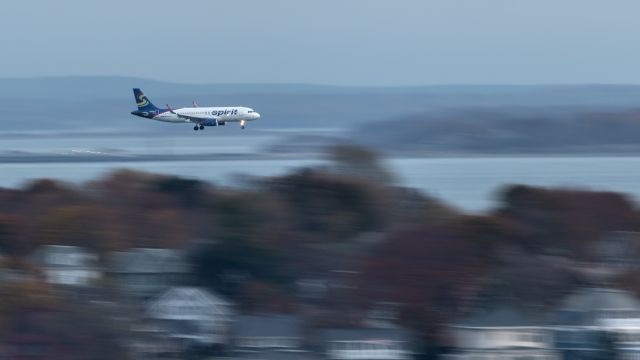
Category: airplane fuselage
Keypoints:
(205, 115)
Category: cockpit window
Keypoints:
(251, 111)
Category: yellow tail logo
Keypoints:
(142, 101)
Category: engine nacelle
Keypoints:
(214, 122)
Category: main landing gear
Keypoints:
(198, 127)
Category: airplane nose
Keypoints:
(257, 115)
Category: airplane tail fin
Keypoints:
(142, 101)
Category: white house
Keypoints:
(610, 312)
(504, 333)
(367, 344)
(193, 315)
(67, 265)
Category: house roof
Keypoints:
(366, 334)
(148, 260)
(184, 302)
(504, 317)
(600, 299)
(268, 325)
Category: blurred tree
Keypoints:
(263, 297)
(27, 294)
(190, 193)
(8, 241)
(361, 162)
(427, 270)
(238, 215)
(231, 262)
(69, 225)
(44, 186)
(330, 206)
(238, 256)
(63, 327)
(546, 284)
(486, 233)
(564, 221)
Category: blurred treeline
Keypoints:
(345, 223)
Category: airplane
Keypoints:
(200, 116)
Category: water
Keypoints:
(474, 183)
(468, 183)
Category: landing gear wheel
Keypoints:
(195, 128)
(201, 127)
(242, 127)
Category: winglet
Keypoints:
(170, 109)
(195, 104)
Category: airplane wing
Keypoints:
(193, 119)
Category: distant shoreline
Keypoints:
(113, 158)
(39, 159)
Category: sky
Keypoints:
(337, 42)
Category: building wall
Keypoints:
(503, 338)
(75, 277)
(359, 350)
(521, 354)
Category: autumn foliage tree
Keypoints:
(564, 221)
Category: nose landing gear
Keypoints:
(242, 124)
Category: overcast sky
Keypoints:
(344, 42)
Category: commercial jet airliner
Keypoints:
(200, 116)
